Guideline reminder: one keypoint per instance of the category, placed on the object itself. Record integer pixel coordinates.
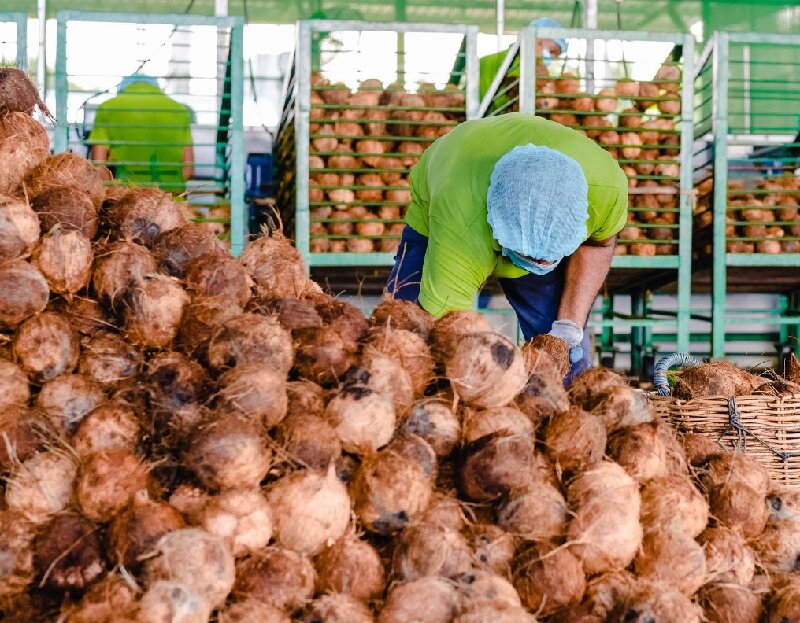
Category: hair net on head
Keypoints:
(133, 78)
(549, 22)
(538, 203)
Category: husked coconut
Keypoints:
(482, 588)
(201, 318)
(216, 274)
(172, 602)
(86, 315)
(495, 464)
(363, 419)
(728, 557)
(448, 330)
(107, 482)
(19, 228)
(255, 391)
(176, 249)
(68, 398)
(108, 359)
(478, 423)
(251, 338)
(136, 531)
(275, 266)
(14, 389)
(589, 386)
(673, 501)
(726, 468)
(778, 548)
(698, 448)
(403, 315)
(252, 611)
(305, 397)
(175, 381)
(352, 566)
(553, 346)
(604, 501)
(308, 439)
(444, 509)
(434, 421)
(426, 600)
(337, 608)
(542, 364)
(346, 319)
(673, 557)
(276, 576)
(653, 601)
(196, 558)
(241, 517)
(486, 370)
(16, 553)
(142, 214)
(535, 512)
(430, 550)
(154, 310)
(640, 451)
(784, 604)
(575, 439)
(189, 501)
(605, 591)
(739, 506)
(46, 346)
(494, 548)
(416, 450)
(494, 613)
(24, 432)
(293, 314)
(69, 553)
(24, 293)
(41, 486)
(386, 376)
(104, 600)
(118, 266)
(729, 603)
(66, 205)
(542, 398)
(715, 379)
(548, 579)
(64, 256)
(622, 407)
(67, 169)
(323, 355)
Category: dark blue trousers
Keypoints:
(534, 298)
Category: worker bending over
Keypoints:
(523, 199)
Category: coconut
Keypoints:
(672, 556)
(778, 548)
(337, 608)
(640, 450)
(176, 249)
(276, 576)
(309, 440)
(605, 591)
(68, 398)
(589, 386)
(275, 266)
(605, 525)
(69, 553)
(363, 419)
(172, 602)
(430, 550)
(622, 406)
(725, 603)
(136, 531)
(14, 388)
(16, 553)
(426, 600)
(494, 548)
(715, 379)
(653, 601)
(542, 364)
(107, 482)
(728, 557)
(19, 228)
(196, 558)
(739, 506)
(118, 266)
(23, 432)
(104, 600)
(251, 338)
(294, 315)
(536, 512)
(434, 421)
(154, 308)
(47, 346)
(323, 355)
(24, 293)
(407, 348)
(481, 589)
(386, 376)
(64, 256)
(734, 468)
(389, 491)
(18, 94)
(241, 517)
(143, 214)
(494, 613)
(254, 391)
(69, 206)
(175, 381)
(201, 318)
(508, 420)
(405, 315)
(229, 453)
(575, 439)
(343, 317)
(548, 579)
(309, 510)
(495, 464)
(783, 606)
(352, 566)
(673, 501)
(448, 330)
(486, 370)
(252, 611)
(86, 315)
(107, 359)
(67, 169)
(554, 347)
(189, 501)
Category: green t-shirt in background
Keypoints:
(449, 186)
(146, 132)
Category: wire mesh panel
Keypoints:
(164, 109)
(363, 102)
(14, 40)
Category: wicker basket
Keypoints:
(766, 428)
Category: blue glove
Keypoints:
(572, 335)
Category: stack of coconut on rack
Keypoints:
(189, 437)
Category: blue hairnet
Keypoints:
(549, 22)
(538, 203)
(133, 78)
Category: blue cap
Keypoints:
(538, 203)
(549, 22)
(133, 78)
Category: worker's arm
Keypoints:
(99, 154)
(188, 162)
(587, 269)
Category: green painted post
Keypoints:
(720, 134)
(637, 332)
(686, 199)
(302, 113)
(607, 332)
(238, 208)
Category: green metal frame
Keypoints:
(235, 97)
(718, 54)
(21, 21)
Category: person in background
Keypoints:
(144, 135)
(523, 199)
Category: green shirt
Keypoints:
(490, 65)
(449, 185)
(146, 132)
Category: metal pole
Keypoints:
(590, 22)
(238, 207)
(746, 70)
(501, 23)
(719, 274)
(41, 62)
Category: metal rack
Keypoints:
(198, 62)
(348, 212)
(581, 91)
(14, 40)
(748, 224)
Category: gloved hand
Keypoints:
(572, 335)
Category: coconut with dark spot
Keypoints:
(24, 432)
(201, 318)
(495, 464)
(68, 398)
(347, 319)
(67, 169)
(426, 600)
(407, 348)
(254, 391)
(118, 266)
(24, 293)
(352, 566)
(216, 274)
(175, 381)
(605, 591)
(14, 388)
(363, 419)
(142, 214)
(430, 550)
(135, 531)
(725, 603)
(251, 338)
(69, 553)
(111, 426)
(589, 386)
(164, 602)
(542, 397)
(19, 228)
(477, 423)
(548, 579)
(654, 601)
(66, 205)
(433, 420)
(108, 359)
(46, 346)
(308, 440)
(778, 548)
(494, 548)
(448, 330)
(153, 311)
(294, 315)
(176, 249)
(276, 576)
(575, 439)
(107, 482)
(404, 315)
(64, 256)
(323, 355)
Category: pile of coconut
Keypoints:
(188, 437)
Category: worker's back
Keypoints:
(146, 132)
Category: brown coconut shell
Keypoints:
(407, 348)
(481, 589)
(308, 440)
(66, 205)
(673, 501)
(85, 314)
(477, 423)
(430, 550)
(24, 293)
(175, 381)
(386, 376)
(654, 601)
(175, 250)
(23, 147)
(251, 338)
(495, 464)
(404, 315)
(305, 397)
(171, 601)
(352, 566)
(18, 93)
(135, 532)
(64, 256)
(343, 317)
(252, 611)
(17, 554)
(363, 419)
(640, 450)
(715, 379)
(448, 330)
(41, 486)
(107, 482)
(323, 355)
(228, 452)
(19, 228)
(427, 600)
(153, 311)
(196, 558)
(728, 557)
(554, 347)
(108, 359)
(68, 398)
(276, 576)
(575, 439)
(67, 169)
(589, 386)
(142, 214)
(444, 509)
(784, 603)
(254, 391)
(104, 600)
(242, 517)
(725, 603)
(24, 432)
(605, 591)
(536, 512)
(622, 407)
(117, 267)
(69, 553)
(486, 370)
(494, 548)
(201, 318)
(294, 315)
(111, 426)
(276, 267)
(673, 557)
(543, 395)
(416, 450)
(548, 579)
(734, 468)
(434, 421)
(778, 548)
(337, 608)
(14, 389)
(46, 346)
